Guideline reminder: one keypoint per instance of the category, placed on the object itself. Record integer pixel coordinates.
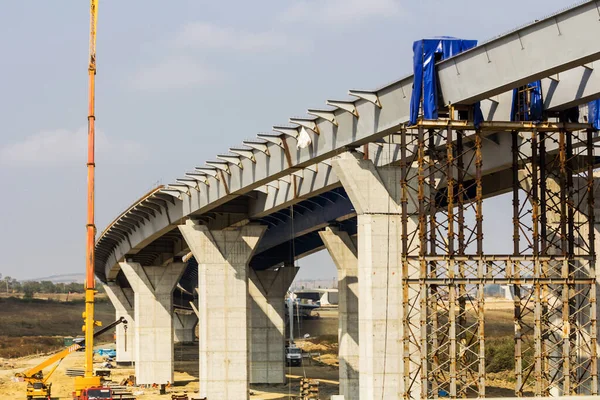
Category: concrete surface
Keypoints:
(376, 194)
(223, 305)
(343, 251)
(267, 291)
(153, 293)
(122, 300)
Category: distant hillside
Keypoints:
(64, 278)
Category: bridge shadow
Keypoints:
(186, 362)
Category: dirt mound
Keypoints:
(326, 344)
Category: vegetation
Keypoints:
(47, 317)
(22, 321)
(29, 288)
(13, 347)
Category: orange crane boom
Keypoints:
(89, 380)
(90, 284)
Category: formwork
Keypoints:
(446, 268)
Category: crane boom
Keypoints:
(90, 283)
(34, 371)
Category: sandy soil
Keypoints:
(186, 378)
(324, 368)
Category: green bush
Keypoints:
(28, 292)
(500, 354)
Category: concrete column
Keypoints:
(122, 300)
(184, 326)
(223, 305)
(375, 194)
(153, 298)
(267, 291)
(343, 251)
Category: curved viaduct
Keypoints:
(269, 200)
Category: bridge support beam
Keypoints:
(122, 300)
(375, 194)
(343, 251)
(153, 302)
(267, 325)
(184, 326)
(223, 305)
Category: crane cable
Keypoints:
(293, 263)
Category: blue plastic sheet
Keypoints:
(425, 54)
(594, 113)
(106, 352)
(528, 112)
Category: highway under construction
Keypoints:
(392, 184)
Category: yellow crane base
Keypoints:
(82, 382)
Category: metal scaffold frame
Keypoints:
(446, 269)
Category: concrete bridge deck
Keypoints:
(223, 228)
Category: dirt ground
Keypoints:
(323, 332)
(186, 378)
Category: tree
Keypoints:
(37, 288)
(15, 286)
(74, 287)
(60, 288)
(47, 287)
(29, 289)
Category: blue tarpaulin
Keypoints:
(106, 352)
(426, 53)
(594, 113)
(531, 110)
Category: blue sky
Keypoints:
(178, 83)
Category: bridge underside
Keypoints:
(400, 210)
(441, 186)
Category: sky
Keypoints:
(178, 83)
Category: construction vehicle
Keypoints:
(293, 354)
(95, 393)
(89, 382)
(37, 383)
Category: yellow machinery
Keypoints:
(89, 380)
(36, 381)
(37, 386)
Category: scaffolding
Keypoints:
(446, 268)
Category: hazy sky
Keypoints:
(178, 83)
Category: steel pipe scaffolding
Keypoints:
(551, 270)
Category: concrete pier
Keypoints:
(375, 194)
(343, 251)
(122, 300)
(153, 302)
(267, 291)
(184, 325)
(223, 305)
